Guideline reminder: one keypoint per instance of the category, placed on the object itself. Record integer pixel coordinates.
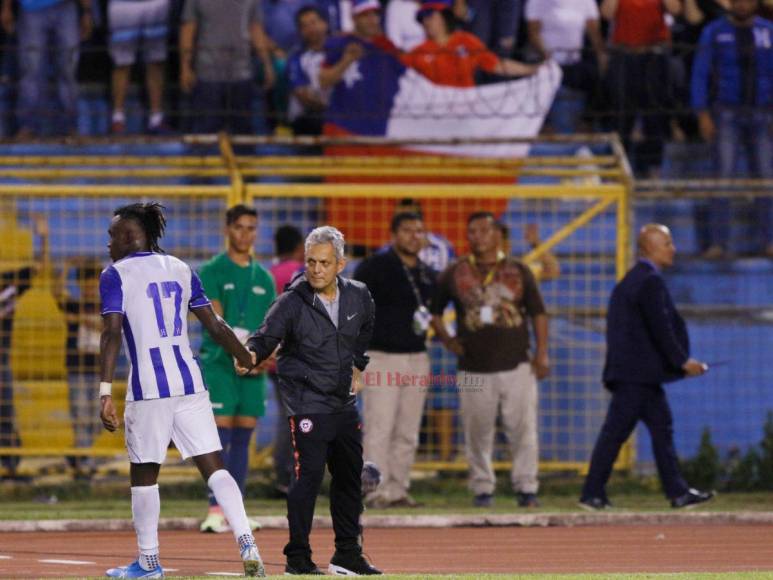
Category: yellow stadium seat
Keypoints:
(16, 247)
(38, 349)
(43, 413)
(39, 340)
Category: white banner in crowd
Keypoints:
(511, 109)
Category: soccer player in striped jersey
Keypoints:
(146, 296)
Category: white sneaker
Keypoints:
(253, 564)
(215, 523)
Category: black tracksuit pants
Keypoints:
(334, 440)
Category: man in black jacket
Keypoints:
(647, 345)
(323, 324)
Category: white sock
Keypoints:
(119, 117)
(146, 508)
(229, 497)
(149, 561)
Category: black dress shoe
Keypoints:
(692, 498)
(594, 504)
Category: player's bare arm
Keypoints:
(109, 347)
(222, 333)
(330, 75)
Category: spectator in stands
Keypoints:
(495, 296)
(701, 12)
(15, 280)
(332, 11)
(134, 25)
(401, 25)
(288, 243)
(647, 345)
(364, 58)
(216, 63)
(495, 22)
(279, 21)
(47, 27)
(308, 100)
(557, 29)
(398, 375)
(685, 32)
(638, 80)
(84, 328)
(732, 92)
(547, 267)
(280, 18)
(451, 57)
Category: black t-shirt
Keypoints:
(83, 334)
(492, 312)
(395, 300)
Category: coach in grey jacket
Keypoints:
(322, 324)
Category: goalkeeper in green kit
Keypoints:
(241, 291)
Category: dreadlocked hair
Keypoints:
(151, 218)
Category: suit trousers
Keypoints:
(336, 440)
(396, 386)
(481, 396)
(630, 404)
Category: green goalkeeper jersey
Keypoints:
(245, 292)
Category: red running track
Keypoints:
(622, 549)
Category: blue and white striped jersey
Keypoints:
(154, 293)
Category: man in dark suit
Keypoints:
(647, 345)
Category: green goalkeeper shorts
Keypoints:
(232, 395)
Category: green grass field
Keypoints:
(171, 506)
(440, 495)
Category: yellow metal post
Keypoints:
(229, 159)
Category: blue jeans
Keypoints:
(752, 132)
(60, 24)
(566, 111)
(496, 23)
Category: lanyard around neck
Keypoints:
(412, 282)
(491, 273)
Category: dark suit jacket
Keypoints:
(647, 339)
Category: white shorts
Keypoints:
(138, 25)
(152, 424)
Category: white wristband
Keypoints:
(105, 389)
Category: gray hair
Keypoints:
(326, 235)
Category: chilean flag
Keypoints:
(380, 97)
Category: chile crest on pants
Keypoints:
(306, 425)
